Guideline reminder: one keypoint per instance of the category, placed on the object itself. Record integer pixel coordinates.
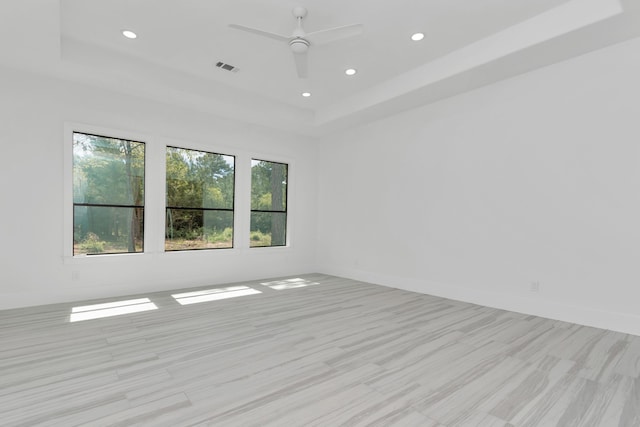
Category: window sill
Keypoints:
(148, 256)
(105, 258)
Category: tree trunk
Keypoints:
(278, 220)
(131, 240)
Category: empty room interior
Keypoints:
(320, 213)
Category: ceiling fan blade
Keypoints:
(260, 32)
(332, 34)
(301, 64)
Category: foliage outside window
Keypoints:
(108, 195)
(268, 204)
(199, 203)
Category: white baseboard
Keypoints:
(588, 316)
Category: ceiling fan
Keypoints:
(299, 41)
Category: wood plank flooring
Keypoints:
(316, 351)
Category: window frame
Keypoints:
(232, 210)
(155, 198)
(69, 205)
(286, 209)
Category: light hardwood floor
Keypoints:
(318, 351)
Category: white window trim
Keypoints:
(155, 197)
(67, 241)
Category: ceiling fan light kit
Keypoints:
(299, 45)
(299, 41)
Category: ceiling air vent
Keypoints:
(227, 67)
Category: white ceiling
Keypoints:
(468, 43)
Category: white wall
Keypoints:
(536, 178)
(532, 179)
(35, 271)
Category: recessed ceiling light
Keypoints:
(350, 71)
(129, 34)
(417, 37)
(306, 94)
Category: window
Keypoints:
(199, 208)
(108, 195)
(268, 204)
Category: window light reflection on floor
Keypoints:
(214, 294)
(109, 309)
(279, 285)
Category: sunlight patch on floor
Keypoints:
(279, 285)
(116, 308)
(214, 294)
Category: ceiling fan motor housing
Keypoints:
(299, 45)
(299, 40)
